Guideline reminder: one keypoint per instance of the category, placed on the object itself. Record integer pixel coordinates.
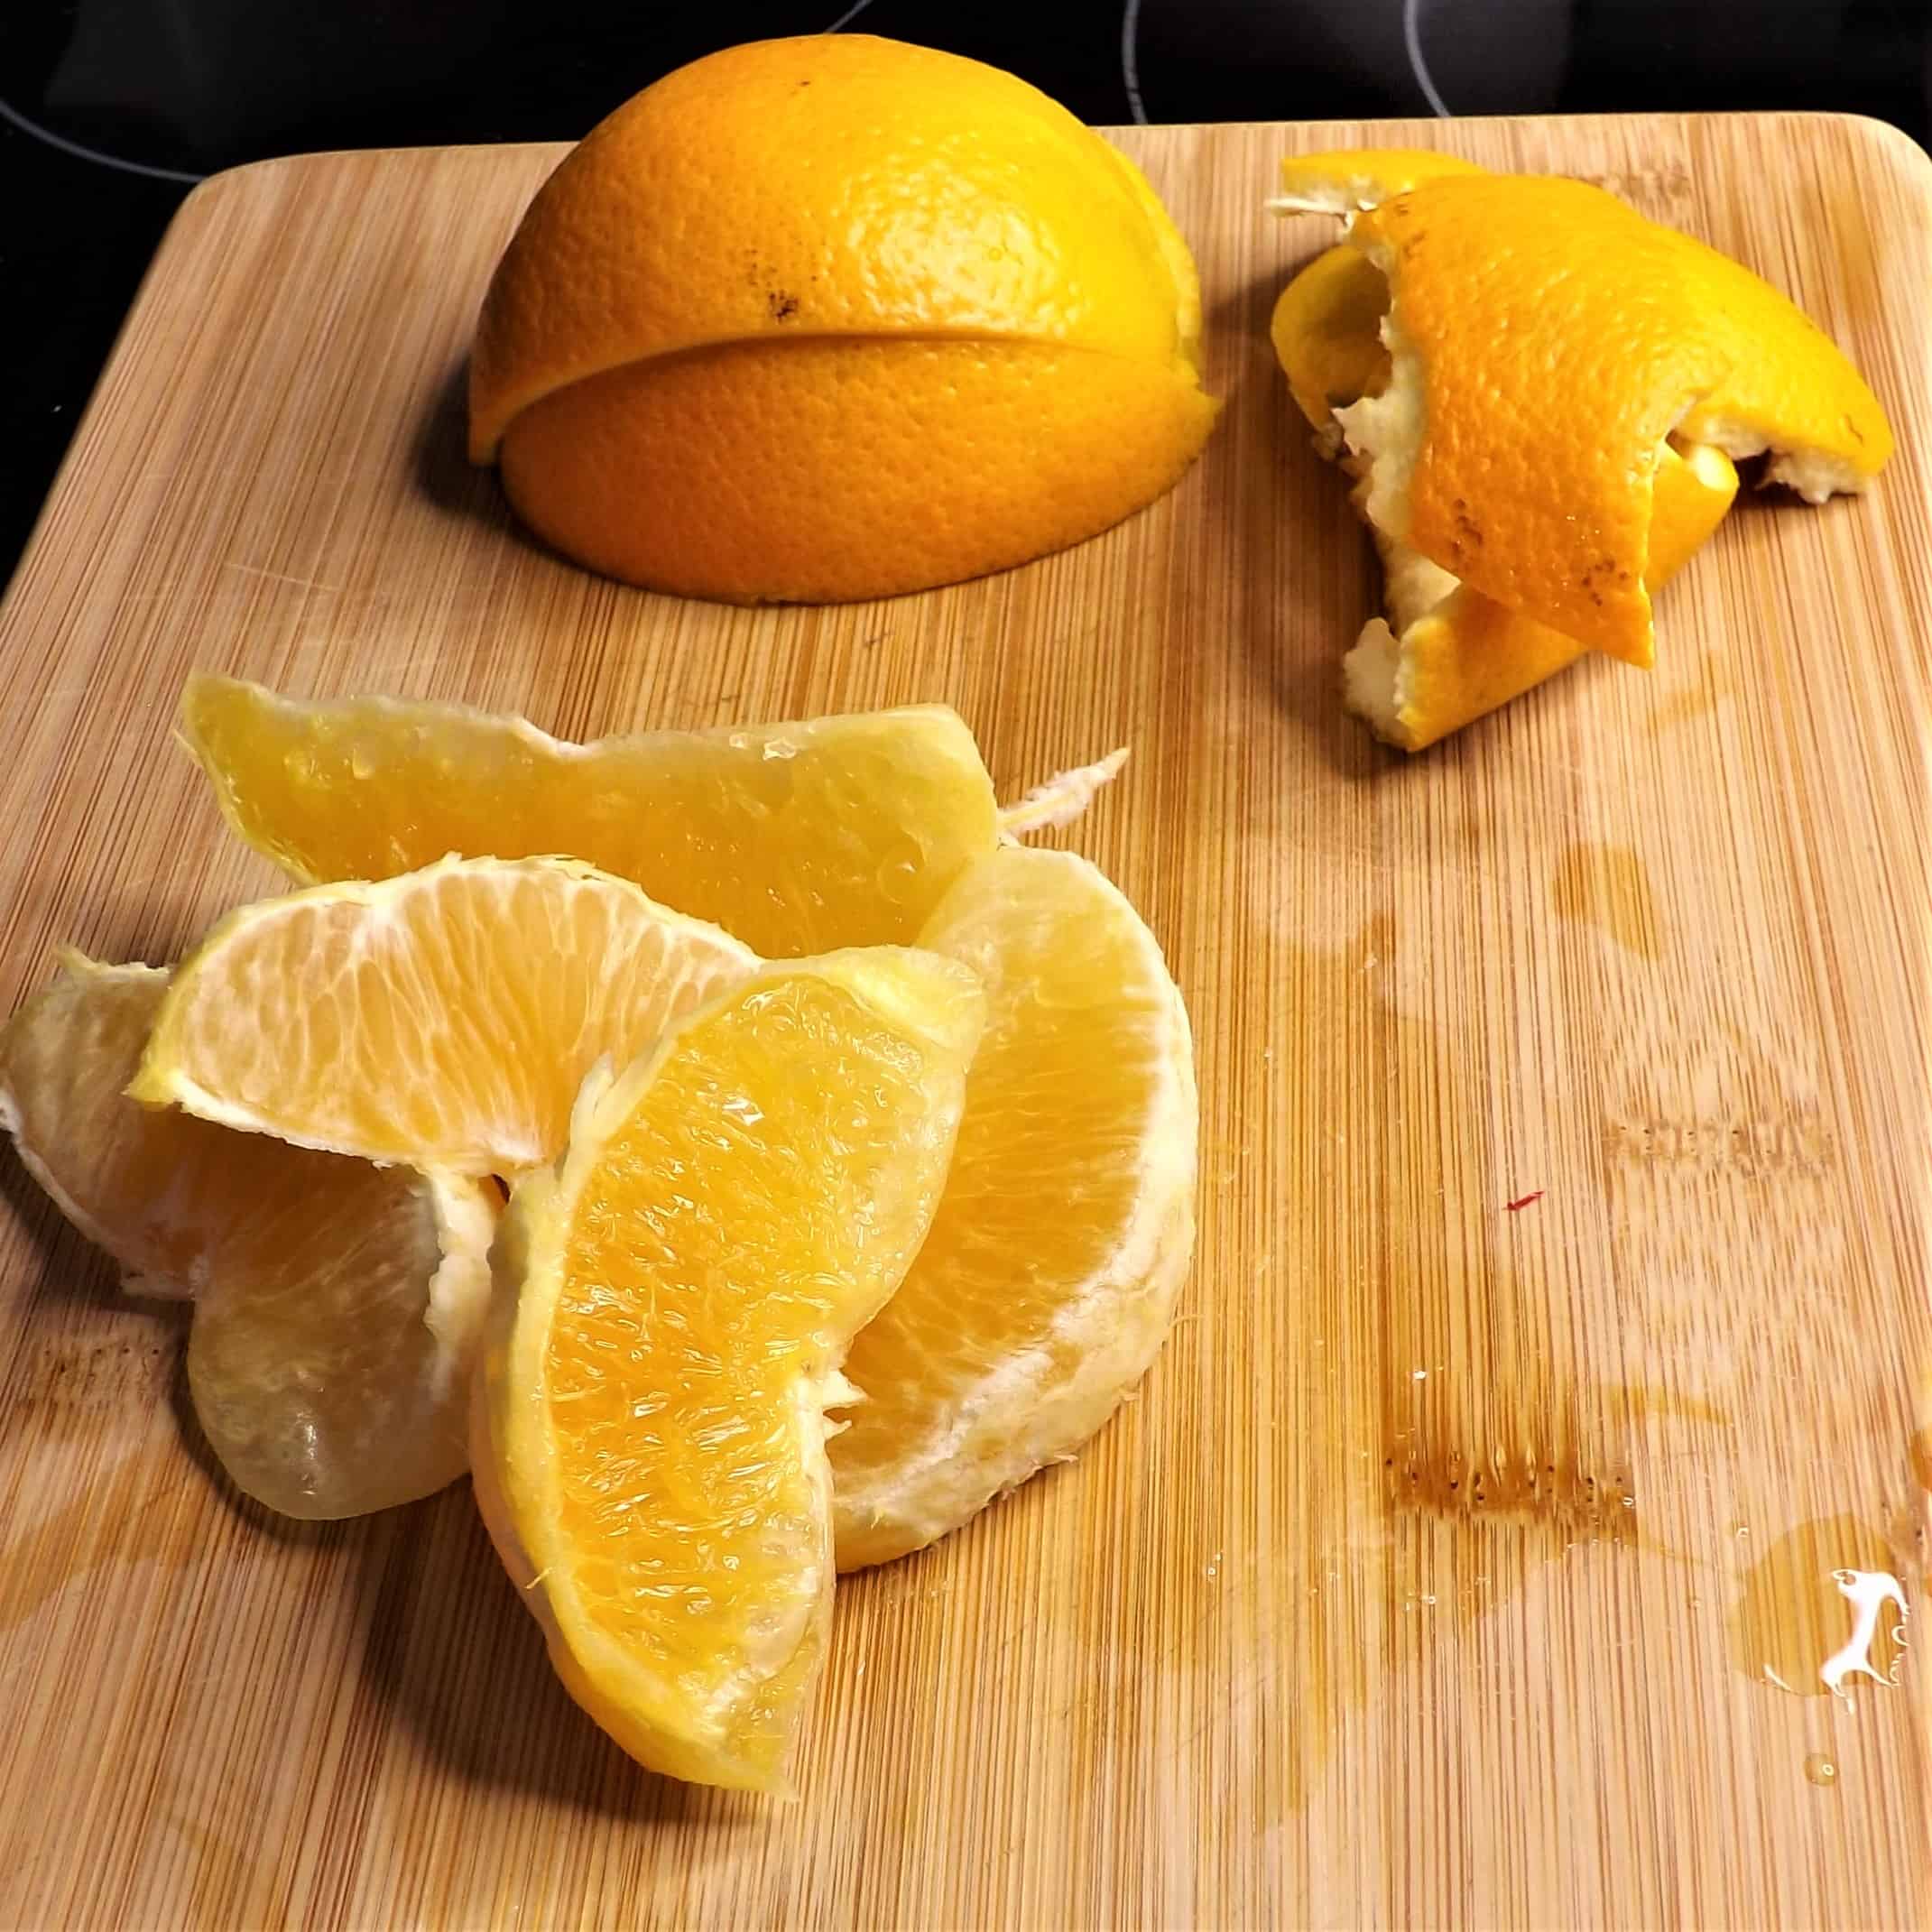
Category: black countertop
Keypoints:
(110, 109)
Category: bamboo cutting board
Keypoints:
(1559, 1323)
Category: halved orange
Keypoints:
(836, 317)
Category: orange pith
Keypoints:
(1539, 393)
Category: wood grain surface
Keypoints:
(1443, 1571)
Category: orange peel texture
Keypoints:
(1542, 395)
(834, 318)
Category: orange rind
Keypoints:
(1541, 395)
(836, 317)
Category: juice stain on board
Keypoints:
(1514, 1388)
(1821, 1609)
(1607, 887)
(1442, 1387)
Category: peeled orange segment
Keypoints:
(1448, 655)
(444, 1018)
(331, 1359)
(1046, 1286)
(673, 1304)
(338, 1305)
(795, 838)
(791, 297)
(153, 1190)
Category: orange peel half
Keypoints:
(1541, 395)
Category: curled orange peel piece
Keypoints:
(1541, 395)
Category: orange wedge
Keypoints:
(444, 1018)
(1046, 1286)
(673, 1302)
(338, 1305)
